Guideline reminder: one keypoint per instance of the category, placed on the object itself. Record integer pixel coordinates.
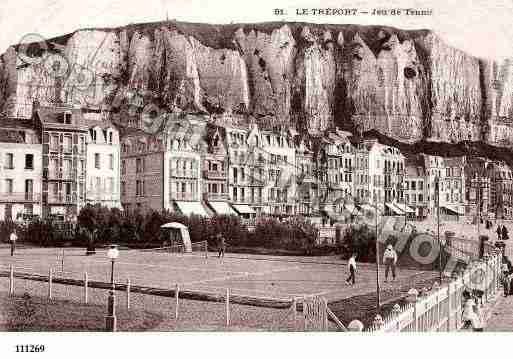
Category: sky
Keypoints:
(480, 27)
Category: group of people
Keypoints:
(502, 233)
(389, 259)
(507, 275)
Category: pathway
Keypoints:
(501, 316)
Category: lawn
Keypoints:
(258, 276)
(27, 312)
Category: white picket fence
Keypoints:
(441, 308)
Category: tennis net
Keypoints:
(197, 248)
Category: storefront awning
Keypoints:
(351, 208)
(244, 209)
(453, 209)
(222, 208)
(403, 207)
(190, 208)
(394, 209)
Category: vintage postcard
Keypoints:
(274, 166)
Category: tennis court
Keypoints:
(256, 276)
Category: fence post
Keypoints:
(305, 322)
(486, 281)
(62, 260)
(86, 284)
(50, 283)
(177, 290)
(449, 307)
(325, 313)
(11, 280)
(415, 317)
(438, 310)
(227, 307)
(128, 293)
(294, 310)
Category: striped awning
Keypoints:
(191, 208)
(394, 209)
(403, 207)
(244, 209)
(222, 208)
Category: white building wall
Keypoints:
(103, 183)
(19, 174)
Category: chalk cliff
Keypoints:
(407, 85)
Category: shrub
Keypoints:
(359, 239)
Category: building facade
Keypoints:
(64, 157)
(20, 169)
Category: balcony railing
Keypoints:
(184, 174)
(214, 174)
(248, 199)
(20, 197)
(277, 199)
(57, 199)
(184, 196)
(98, 196)
(216, 196)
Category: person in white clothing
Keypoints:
(13, 238)
(390, 260)
(471, 315)
(352, 270)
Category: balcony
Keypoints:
(20, 197)
(60, 199)
(101, 197)
(216, 196)
(183, 196)
(248, 199)
(183, 174)
(277, 199)
(214, 174)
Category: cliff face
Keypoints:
(408, 85)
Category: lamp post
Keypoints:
(110, 318)
(378, 289)
(437, 192)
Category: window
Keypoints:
(235, 175)
(9, 161)
(67, 144)
(421, 185)
(97, 160)
(123, 188)
(29, 162)
(67, 118)
(93, 135)
(139, 190)
(8, 211)
(8, 185)
(421, 198)
(111, 161)
(123, 167)
(54, 143)
(28, 209)
(110, 138)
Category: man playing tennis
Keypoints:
(222, 245)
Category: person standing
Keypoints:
(506, 279)
(13, 238)
(499, 232)
(221, 244)
(504, 233)
(390, 260)
(352, 270)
